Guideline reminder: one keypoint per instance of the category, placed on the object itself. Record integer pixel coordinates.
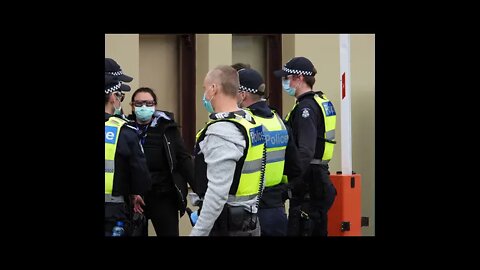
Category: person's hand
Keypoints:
(193, 215)
(137, 202)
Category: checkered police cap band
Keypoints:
(117, 73)
(250, 81)
(296, 71)
(113, 88)
(251, 90)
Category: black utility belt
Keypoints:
(236, 218)
(317, 161)
(114, 199)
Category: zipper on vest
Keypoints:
(171, 169)
(169, 154)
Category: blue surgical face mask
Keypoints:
(286, 87)
(144, 113)
(118, 111)
(207, 104)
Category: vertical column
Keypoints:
(124, 48)
(345, 88)
(288, 52)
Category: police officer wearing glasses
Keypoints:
(126, 172)
(313, 123)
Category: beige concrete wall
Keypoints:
(363, 120)
(323, 51)
(159, 70)
(288, 52)
(201, 70)
(250, 50)
(212, 50)
(124, 49)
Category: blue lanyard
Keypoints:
(142, 134)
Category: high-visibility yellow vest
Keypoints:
(249, 182)
(276, 140)
(112, 131)
(330, 118)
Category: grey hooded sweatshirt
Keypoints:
(222, 147)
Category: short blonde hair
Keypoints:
(227, 77)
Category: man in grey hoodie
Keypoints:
(229, 161)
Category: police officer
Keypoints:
(313, 123)
(229, 161)
(112, 69)
(282, 156)
(126, 172)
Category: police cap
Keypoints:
(112, 84)
(113, 68)
(296, 66)
(251, 81)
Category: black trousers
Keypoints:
(273, 221)
(162, 209)
(310, 217)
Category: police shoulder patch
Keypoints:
(305, 112)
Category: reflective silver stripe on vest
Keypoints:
(233, 198)
(274, 156)
(252, 166)
(331, 135)
(109, 166)
(319, 162)
(114, 199)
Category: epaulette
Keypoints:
(243, 114)
(229, 115)
(247, 116)
(222, 115)
(319, 93)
